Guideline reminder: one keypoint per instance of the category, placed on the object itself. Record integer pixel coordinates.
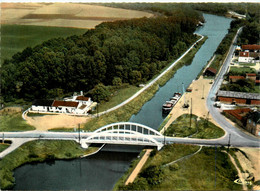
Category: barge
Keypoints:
(168, 105)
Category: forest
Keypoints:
(130, 51)
(115, 53)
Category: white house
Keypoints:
(74, 105)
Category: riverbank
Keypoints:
(132, 107)
(38, 151)
(200, 89)
(194, 171)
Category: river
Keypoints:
(101, 171)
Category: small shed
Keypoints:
(210, 72)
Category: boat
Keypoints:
(168, 105)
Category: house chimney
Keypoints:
(81, 93)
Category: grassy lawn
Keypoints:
(119, 96)
(247, 64)
(3, 146)
(194, 173)
(15, 38)
(125, 112)
(38, 151)
(14, 122)
(198, 128)
(242, 69)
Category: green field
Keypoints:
(38, 151)
(3, 147)
(242, 70)
(196, 172)
(195, 128)
(118, 97)
(14, 122)
(15, 38)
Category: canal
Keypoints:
(101, 171)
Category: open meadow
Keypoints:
(76, 15)
(29, 24)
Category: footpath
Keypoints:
(139, 166)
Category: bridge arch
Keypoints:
(124, 133)
(132, 126)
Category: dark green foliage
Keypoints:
(242, 85)
(132, 51)
(153, 175)
(100, 92)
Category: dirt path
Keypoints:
(252, 163)
(138, 167)
(240, 175)
(43, 123)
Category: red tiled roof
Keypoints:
(250, 74)
(213, 70)
(251, 47)
(244, 54)
(236, 77)
(82, 98)
(65, 103)
(257, 81)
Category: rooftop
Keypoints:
(236, 77)
(243, 95)
(82, 98)
(65, 103)
(251, 47)
(213, 70)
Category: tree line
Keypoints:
(130, 51)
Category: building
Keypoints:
(249, 54)
(240, 98)
(253, 123)
(251, 76)
(210, 72)
(251, 47)
(74, 105)
(233, 79)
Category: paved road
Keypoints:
(237, 137)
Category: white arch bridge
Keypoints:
(127, 133)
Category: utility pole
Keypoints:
(190, 110)
(79, 132)
(202, 93)
(229, 138)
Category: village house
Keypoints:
(253, 123)
(246, 118)
(249, 54)
(74, 105)
(240, 98)
(233, 79)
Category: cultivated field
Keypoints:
(75, 15)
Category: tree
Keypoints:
(100, 93)
(117, 82)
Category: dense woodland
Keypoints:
(131, 51)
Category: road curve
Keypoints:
(236, 136)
